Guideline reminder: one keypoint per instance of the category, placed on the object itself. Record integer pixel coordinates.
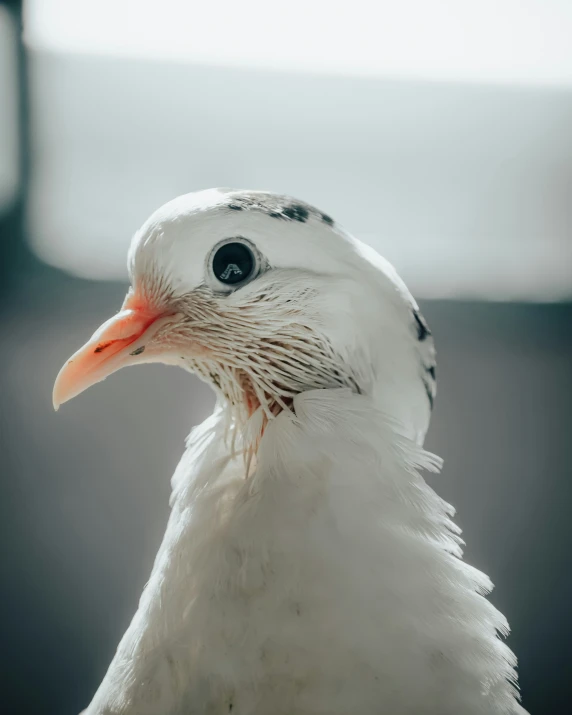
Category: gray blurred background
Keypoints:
(441, 133)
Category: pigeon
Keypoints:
(307, 567)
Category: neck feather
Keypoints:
(333, 545)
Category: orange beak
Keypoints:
(126, 339)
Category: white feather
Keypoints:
(328, 583)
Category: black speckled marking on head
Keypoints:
(138, 351)
(422, 328)
(297, 212)
(277, 206)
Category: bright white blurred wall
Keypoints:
(514, 41)
(441, 133)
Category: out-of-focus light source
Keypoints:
(484, 41)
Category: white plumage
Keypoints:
(307, 568)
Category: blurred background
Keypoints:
(438, 132)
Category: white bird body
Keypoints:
(307, 568)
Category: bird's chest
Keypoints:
(287, 609)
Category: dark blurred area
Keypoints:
(90, 145)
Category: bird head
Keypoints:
(264, 297)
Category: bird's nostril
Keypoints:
(138, 351)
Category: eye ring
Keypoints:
(232, 263)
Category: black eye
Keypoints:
(233, 263)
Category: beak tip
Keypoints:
(56, 401)
(59, 391)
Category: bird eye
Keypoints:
(234, 262)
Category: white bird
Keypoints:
(307, 568)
